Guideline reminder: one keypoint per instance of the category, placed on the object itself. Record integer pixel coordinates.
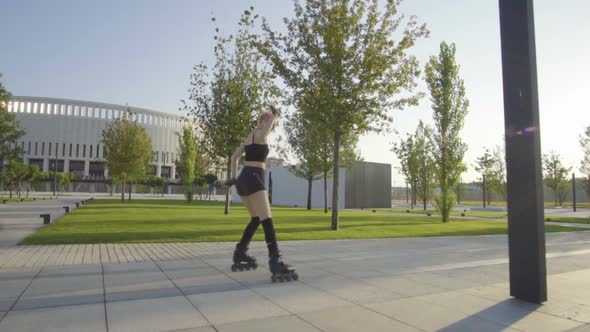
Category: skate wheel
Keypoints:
(273, 278)
(295, 276)
(234, 268)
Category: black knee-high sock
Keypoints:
(271, 238)
(249, 233)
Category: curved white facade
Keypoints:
(74, 129)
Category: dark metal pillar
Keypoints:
(574, 190)
(526, 236)
(484, 190)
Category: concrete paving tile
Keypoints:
(189, 272)
(355, 291)
(79, 318)
(13, 287)
(6, 303)
(62, 291)
(404, 286)
(354, 318)
(297, 297)
(161, 314)
(131, 267)
(521, 315)
(207, 284)
(196, 329)
(233, 306)
(9, 274)
(272, 324)
(138, 285)
(71, 270)
(494, 292)
(582, 328)
(456, 300)
(422, 315)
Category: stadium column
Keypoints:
(158, 170)
(526, 236)
(86, 167)
(173, 172)
(66, 165)
(45, 164)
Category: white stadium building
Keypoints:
(68, 132)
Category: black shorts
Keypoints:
(251, 180)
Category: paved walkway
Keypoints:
(411, 284)
(18, 220)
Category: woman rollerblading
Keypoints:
(250, 185)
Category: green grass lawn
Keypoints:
(109, 221)
(547, 204)
(568, 219)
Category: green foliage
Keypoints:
(128, 149)
(497, 181)
(185, 164)
(344, 58)
(226, 101)
(9, 129)
(484, 165)
(416, 155)
(555, 176)
(450, 105)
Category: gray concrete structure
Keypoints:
(73, 129)
(368, 185)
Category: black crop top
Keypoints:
(256, 152)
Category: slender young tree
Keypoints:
(585, 164)
(425, 165)
(128, 151)
(450, 105)
(187, 156)
(498, 176)
(556, 177)
(10, 131)
(484, 165)
(351, 56)
(407, 154)
(226, 101)
(304, 146)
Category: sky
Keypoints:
(141, 53)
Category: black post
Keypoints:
(55, 169)
(574, 189)
(526, 237)
(270, 187)
(484, 190)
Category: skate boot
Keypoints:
(281, 271)
(243, 261)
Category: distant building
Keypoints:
(364, 185)
(68, 133)
(274, 162)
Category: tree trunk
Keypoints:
(309, 184)
(325, 191)
(123, 189)
(336, 181)
(425, 200)
(227, 194)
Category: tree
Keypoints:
(9, 129)
(447, 94)
(13, 175)
(304, 145)
(484, 165)
(344, 54)
(405, 150)
(424, 152)
(555, 176)
(497, 181)
(187, 155)
(128, 151)
(225, 107)
(33, 174)
(585, 165)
